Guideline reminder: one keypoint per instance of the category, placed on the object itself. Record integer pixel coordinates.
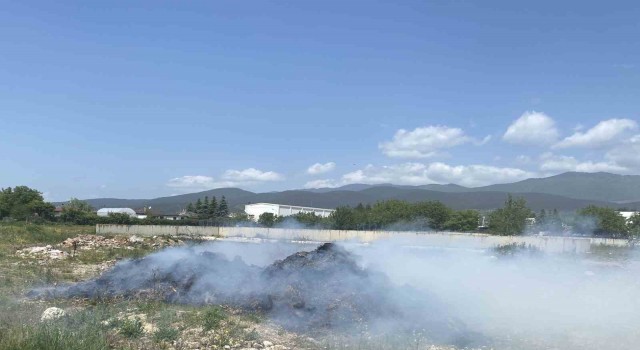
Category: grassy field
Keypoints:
(131, 323)
(103, 324)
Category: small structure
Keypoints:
(142, 213)
(57, 212)
(173, 217)
(107, 211)
(628, 214)
(257, 209)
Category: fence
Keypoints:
(552, 244)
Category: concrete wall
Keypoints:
(156, 230)
(550, 244)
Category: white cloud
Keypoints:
(251, 175)
(424, 142)
(320, 168)
(532, 128)
(626, 154)
(475, 175)
(420, 174)
(192, 182)
(557, 163)
(401, 174)
(604, 133)
(324, 183)
(230, 178)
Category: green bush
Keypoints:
(131, 328)
(167, 334)
(213, 317)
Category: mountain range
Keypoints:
(566, 192)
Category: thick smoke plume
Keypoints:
(457, 296)
(322, 290)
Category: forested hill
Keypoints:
(592, 186)
(456, 197)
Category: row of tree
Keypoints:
(514, 218)
(208, 209)
(389, 215)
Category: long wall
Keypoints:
(552, 244)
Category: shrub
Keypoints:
(213, 317)
(131, 328)
(167, 334)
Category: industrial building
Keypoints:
(257, 209)
(628, 214)
(107, 211)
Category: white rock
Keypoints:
(36, 250)
(267, 343)
(57, 254)
(135, 239)
(52, 313)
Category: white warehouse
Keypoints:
(256, 209)
(107, 211)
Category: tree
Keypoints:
(308, 219)
(22, 202)
(190, 208)
(198, 207)
(436, 213)
(205, 207)
(633, 226)
(223, 209)
(121, 219)
(541, 219)
(389, 212)
(74, 204)
(213, 207)
(343, 218)
(511, 219)
(603, 222)
(78, 212)
(265, 219)
(463, 221)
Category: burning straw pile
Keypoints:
(321, 290)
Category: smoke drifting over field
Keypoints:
(460, 297)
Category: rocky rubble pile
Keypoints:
(89, 242)
(42, 253)
(92, 242)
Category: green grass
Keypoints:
(212, 317)
(82, 331)
(165, 333)
(100, 323)
(13, 235)
(131, 328)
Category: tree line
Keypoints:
(390, 215)
(208, 209)
(513, 219)
(22, 203)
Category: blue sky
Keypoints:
(146, 98)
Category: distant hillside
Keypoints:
(482, 200)
(172, 204)
(446, 188)
(350, 187)
(595, 186)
